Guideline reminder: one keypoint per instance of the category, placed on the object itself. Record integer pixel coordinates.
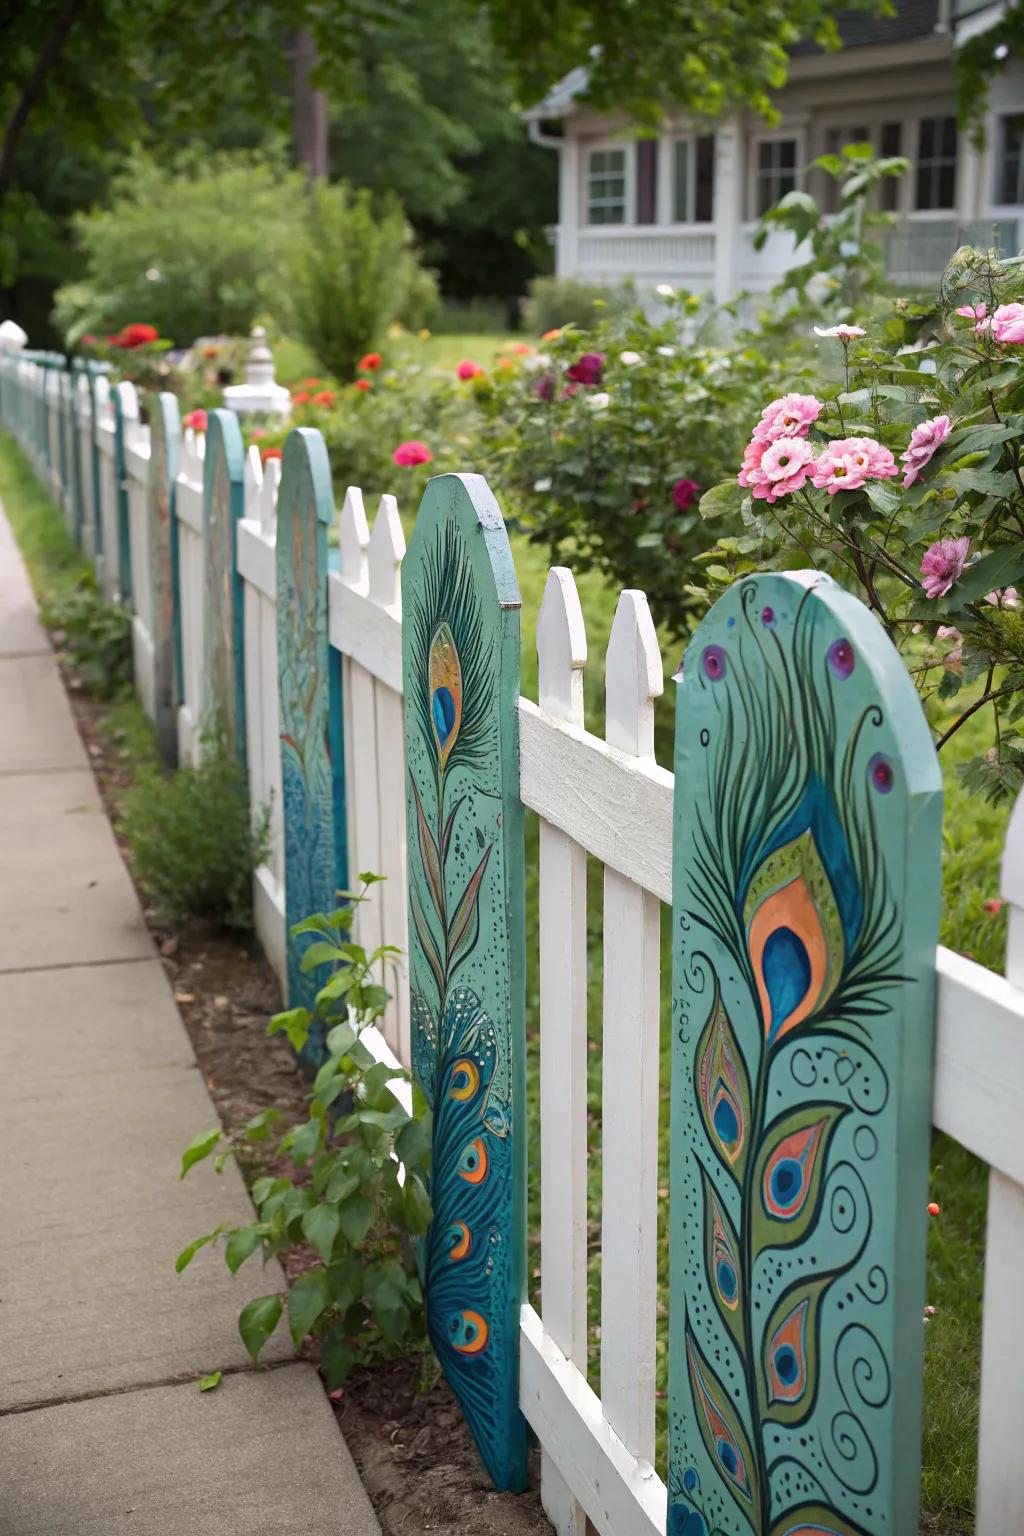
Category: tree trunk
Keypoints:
(49, 53)
(309, 108)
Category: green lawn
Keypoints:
(972, 849)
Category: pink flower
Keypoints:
(948, 632)
(1008, 323)
(1007, 597)
(774, 469)
(924, 443)
(467, 369)
(942, 563)
(412, 452)
(789, 416)
(196, 420)
(588, 369)
(842, 333)
(684, 493)
(973, 311)
(848, 462)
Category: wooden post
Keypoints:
(806, 894)
(312, 755)
(126, 416)
(224, 637)
(460, 652)
(164, 434)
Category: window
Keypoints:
(836, 140)
(693, 180)
(647, 181)
(775, 172)
(936, 163)
(891, 146)
(1010, 168)
(606, 186)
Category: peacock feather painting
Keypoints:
(461, 681)
(806, 887)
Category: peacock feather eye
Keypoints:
(725, 1264)
(472, 1165)
(459, 1241)
(722, 1088)
(445, 683)
(468, 1331)
(787, 1179)
(786, 1356)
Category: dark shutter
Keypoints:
(646, 181)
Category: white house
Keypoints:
(682, 208)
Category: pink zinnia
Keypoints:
(774, 469)
(684, 493)
(941, 565)
(196, 420)
(789, 416)
(848, 462)
(412, 452)
(467, 369)
(1008, 323)
(924, 444)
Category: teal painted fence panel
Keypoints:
(77, 490)
(124, 533)
(164, 436)
(806, 894)
(224, 633)
(460, 606)
(93, 469)
(312, 748)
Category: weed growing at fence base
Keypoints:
(195, 842)
(95, 634)
(47, 548)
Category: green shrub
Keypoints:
(361, 1196)
(195, 841)
(353, 272)
(95, 635)
(558, 301)
(195, 248)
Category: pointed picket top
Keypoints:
(268, 497)
(634, 677)
(84, 393)
(354, 536)
(561, 648)
(384, 556)
(101, 396)
(193, 454)
(252, 481)
(128, 397)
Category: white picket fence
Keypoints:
(599, 797)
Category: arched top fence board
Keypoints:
(223, 506)
(312, 754)
(460, 606)
(806, 891)
(164, 434)
(125, 408)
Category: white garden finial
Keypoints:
(384, 555)
(354, 536)
(634, 677)
(561, 648)
(260, 394)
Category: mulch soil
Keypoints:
(411, 1445)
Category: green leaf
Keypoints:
(319, 954)
(882, 496)
(304, 1141)
(413, 1142)
(370, 879)
(722, 500)
(186, 1255)
(425, 936)
(356, 1218)
(465, 923)
(209, 1383)
(803, 1137)
(295, 1023)
(261, 1190)
(1002, 568)
(257, 1321)
(199, 1147)
(343, 981)
(320, 1227)
(340, 1038)
(307, 1298)
(258, 1128)
(416, 1203)
(242, 1242)
(342, 1183)
(318, 923)
(792, 1327)
(337, 1358)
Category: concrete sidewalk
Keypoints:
(102, 1426)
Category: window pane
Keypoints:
(947, 185)
(765, 194)
(926, 138)
(681, 182)
(764, 155)
(923, 195)
(892, 138)
(787, 153)
(786, 183)
(949, 137)
(704, 210)
(1009, 181)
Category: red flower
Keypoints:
(257, 433)
(364, 383)
(588, 369)
(993, 906)
(413, 452)
(684, 493)
(88, 340)
(138, 335)
(370, 363)
(196, 420)
(522, 349)
(324, 397)
(211, 351)
(311, 383)
(467, 369)
(271, 453)
(302, 398)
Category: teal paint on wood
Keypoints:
(460, 636)
(312, 754)
(224, 634)
(806, 892)
(164, 436)
(94, 465)
(123, 520)
(77, 494)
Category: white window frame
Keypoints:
(781, 134)
(996, 139)
(627, 149)
(667, 180)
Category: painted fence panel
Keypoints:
(224, 504)
(807, 830)
(467, 947)
(164, 433)
(126, 424)
(312, 754)
(108, 569)
(193, 577)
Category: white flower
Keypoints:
(599, 402)
(542, 485)
(665, 291)
(840, 332)
(537, 360)
(153, 275)
(666, 351)
(630, 359)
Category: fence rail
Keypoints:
(596, 797)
